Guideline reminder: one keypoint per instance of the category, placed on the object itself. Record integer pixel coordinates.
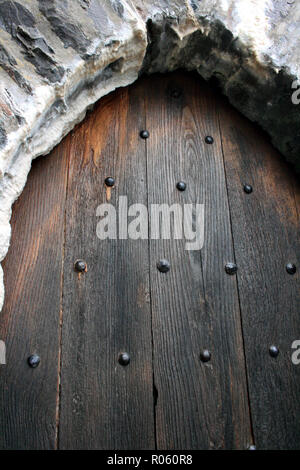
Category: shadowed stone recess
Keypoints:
(58, 57)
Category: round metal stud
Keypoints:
(181, 186)
(248, 188)
(109, 181)
(274, 351)
(176, 93)
(231, 268)
(34, 360)
(209, 139)
(80, 266)
(144, 134)
(291, 268)
(124, 359)
(163, 266)
(205, 355)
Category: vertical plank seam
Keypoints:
(154, 388)
(238, 289)
(294, 194)
(58, 393)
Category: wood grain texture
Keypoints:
(195, 305)
(107, 310)
(266, 237)
(80, 397)
(29, 321)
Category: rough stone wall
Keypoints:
(58, 57)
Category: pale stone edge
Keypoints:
(133, 51)
(17, 176)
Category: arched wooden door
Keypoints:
(201, 374)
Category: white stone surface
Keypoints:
(58, 57)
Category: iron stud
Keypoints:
(124, 359)
(109, 181)
(231, 268)
(181, 186)
(176, 93)
(274, 351)
(248, 188)
(163, 266)
(209, 139)
(34, 360)
(80, 266)
(144, 134)
(291, 268)
(205, 355)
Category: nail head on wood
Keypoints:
(248, 188)
(291, 268)
(144, 134)
(181, 186)
(124, 359)
(33, 361)
(109, 181)
(80, 266)
(163, 266)
(205, 355)
(209, 139)
(274, 351)
(231, 268)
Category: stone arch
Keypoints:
(58, 58)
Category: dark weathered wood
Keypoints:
(166, 396)
(106, 311)
(266, 237)
(29, 321)
(195, 305)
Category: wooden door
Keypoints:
(201, 373)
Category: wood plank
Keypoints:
(266, 237)
(195, 305)
(29, 321)
(106, 310)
